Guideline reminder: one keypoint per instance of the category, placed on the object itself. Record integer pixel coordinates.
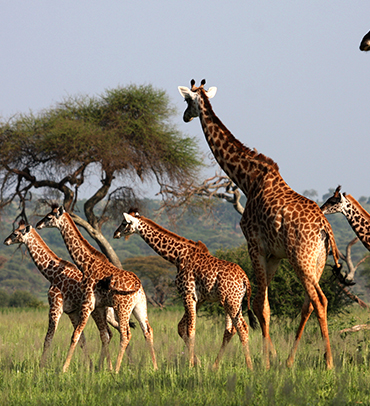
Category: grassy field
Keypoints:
(22, 382)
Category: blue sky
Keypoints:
(291, 80)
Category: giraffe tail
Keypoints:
(252, 319)
(337, 267)
(251, 316)
(334, 249)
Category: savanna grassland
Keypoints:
(22, 382)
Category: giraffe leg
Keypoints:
(141, 314)
(125, 337)
(242, 329)
(305, 314)
(186, 328)
(315, 300)
(319, 303)
(86, 308)
(111, 319)
(229, 333)
(55, 312)
(264, 270)
(74, 317)
(100, 317)
(321, 307)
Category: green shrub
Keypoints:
(23, 298)
(4, 298)
(286, 293)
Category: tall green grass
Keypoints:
(22, 382)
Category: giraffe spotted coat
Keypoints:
(277, 222)
(356, 215)
(200, 277)
(65, 293)
(125, 292)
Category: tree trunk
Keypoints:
(103, 243)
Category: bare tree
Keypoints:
(193, 194)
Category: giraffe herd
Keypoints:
(277, 223)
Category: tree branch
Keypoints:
(97, 197)
(218, 186)
(99, 238)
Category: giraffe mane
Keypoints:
(133, 212)
(76, 230)
(253, 154)
(201, 246)
(359, 207)
(45, 247)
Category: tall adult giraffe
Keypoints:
(200, 278)
(277, 222)
(357, 217)
(64, 294)
(126, 294)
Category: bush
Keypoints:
(286, 293)
(22, 298)
(4, 298)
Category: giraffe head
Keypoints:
(192, 96)
(365, 43)
(335, 203)
(129, 225)
(52, 219)
(19, 235)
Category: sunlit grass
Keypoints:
(307, 383)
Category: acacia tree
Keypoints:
(124, 136)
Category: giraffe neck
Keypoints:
(359, 219)
(167, 244)
(81, 251)
(43, 257)
(243, 165)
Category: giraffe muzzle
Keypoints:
(8, 241)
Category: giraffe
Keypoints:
(126, 294)
(64, 294)
(277, 222)
(356, 215)
(365, 43)
(200, 277)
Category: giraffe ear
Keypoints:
(60, 211)
(26, 229)
(127, 218)
(211, 92)
(184, 91)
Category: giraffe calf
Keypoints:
(65, 289)
(200, 277)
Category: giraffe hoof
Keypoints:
(289, 363)
(197, 362)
